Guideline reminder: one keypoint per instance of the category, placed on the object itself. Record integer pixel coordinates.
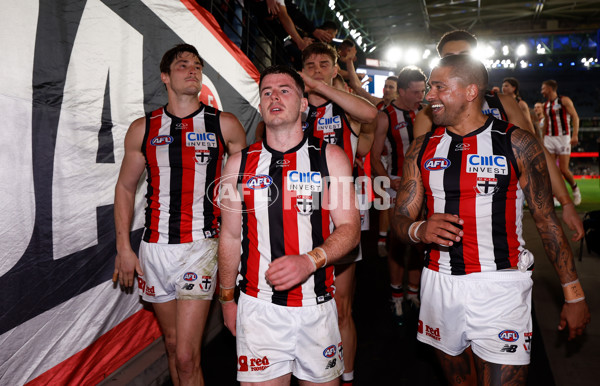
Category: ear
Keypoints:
(164, 77)
(303, 104)
(335, 70)
(472, 92)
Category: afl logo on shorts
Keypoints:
(330, 351)
(189, 276)
(161, 140)
(260, 181)
(509, 336)
(437, 163)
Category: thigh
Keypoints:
(283, 380)
(344, 286)
(497, 375)
(191, 320)
(166, 314)
(458, 369)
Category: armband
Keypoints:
(319, 257)
(573, 292)
(226, 294)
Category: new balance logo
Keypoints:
(331, 364)
(509, 348)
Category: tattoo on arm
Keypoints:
(535, 182)
(409, 197)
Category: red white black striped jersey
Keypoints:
(476, 178)
(329, 123)
(399, 136)
(559, 121)
(283, 215)
(183, 157)
(493, 107)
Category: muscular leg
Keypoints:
(395, 262)
(494, 374)
(334, 382)
(184, 320)
(344, 296)
(563, 164)
(166, 314)
(284, 380)
(460, 369)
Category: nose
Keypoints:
(430, 95)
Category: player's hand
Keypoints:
(395, 183)
(289, 271)
(272, 7)
(573, 221)
(442, 229)
(576, 316)
(574, 141)
(229, 315)
(309, 82)
(126, 263)
(323, 35)
(305, 43)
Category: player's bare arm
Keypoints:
(514, 114)
(568, 105)
(356, 107)
(535, 183)
(379, 144)
(440, 228)
(126, 261)
(288, 271)
(229, 238)
(233, 133)
(366, 138)
(356, 85)
(423, 122)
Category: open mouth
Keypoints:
(437, 107)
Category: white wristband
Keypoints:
(416, 224)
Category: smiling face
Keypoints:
(281, 100)
(447, 97)
(185, 75)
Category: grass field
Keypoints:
(590, 195)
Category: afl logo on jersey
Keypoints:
(330, 351)
(189, 276)
(260, 181)
(437, 163)
(509, 336)
(400, 126)
(161, 140)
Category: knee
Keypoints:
(187, 360)
(171, 344)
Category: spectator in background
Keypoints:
(510, 87)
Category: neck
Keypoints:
(552, 96)
(283, 138)
(469, 121)
(182, 105)
(401, 104)
(316, 99)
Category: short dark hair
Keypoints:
(347, 43)
(319, 48)
(330, 24)
(392, 78)
(410, 74)
(279, 69)
(456, 35)
(468, 69)
(513, 82)
(551, 83)
(174, 53)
